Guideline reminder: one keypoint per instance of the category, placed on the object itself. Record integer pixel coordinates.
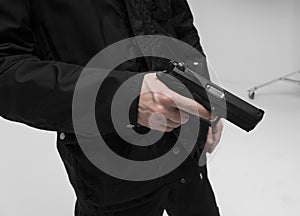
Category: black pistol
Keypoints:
(223, 104)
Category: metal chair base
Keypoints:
(252, 91)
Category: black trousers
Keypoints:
(192, 198)
(186, 191)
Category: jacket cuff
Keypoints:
(133, 112)
(136, 87)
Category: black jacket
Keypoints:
(44, 46)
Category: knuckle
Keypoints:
(158, 108)
(185, 121)
(163, 99)
(173, 125)
(176, 116)
(185, 118)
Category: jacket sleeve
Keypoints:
(32, 91)
(185, 29)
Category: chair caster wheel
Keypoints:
(251, 94)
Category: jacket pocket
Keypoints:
(84, 169)
(43, 44)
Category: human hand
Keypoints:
(214, 136)
(158, 106)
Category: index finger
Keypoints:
(186, 104)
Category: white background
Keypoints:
(247, 42)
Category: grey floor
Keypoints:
(252, 174)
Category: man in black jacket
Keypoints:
(44, 46)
